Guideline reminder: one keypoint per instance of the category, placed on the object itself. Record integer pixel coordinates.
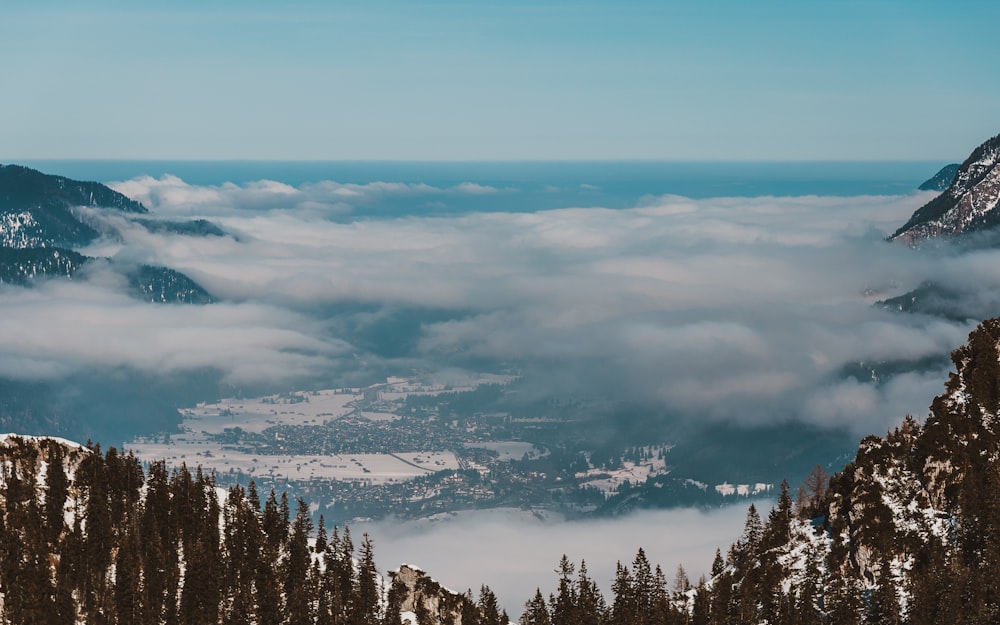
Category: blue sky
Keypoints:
(713, 80)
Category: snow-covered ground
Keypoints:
(743, 490)
(258, 414)
(633, 472)
(373, 468)
(196, 445)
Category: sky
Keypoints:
(548, 79)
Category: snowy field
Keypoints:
(194, 446)
(258, 414)
(633, 472)
(372, 468)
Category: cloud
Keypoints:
(172, 195)
(510, 550)
(733, 309)
(63, 328)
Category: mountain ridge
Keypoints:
(42, 228)
(966, 205)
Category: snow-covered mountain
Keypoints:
(45, 220)
(908, 532)
(39, 210)
(967, 205)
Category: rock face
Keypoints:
(967, 205)
(428, 600)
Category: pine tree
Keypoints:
(590, 607)
(779, 521)
(365, 607)
(623, 610)
(535, 611)
(883, 606)
(753, 532)
(128, 566)
(394, 601)
(700, 612)
(563, 608)
(489, 607)
(97, 541)
(56, 489)
(643, 586)
(158, 531)
(297, 565)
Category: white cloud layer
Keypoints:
(172, 195)
(744, 309)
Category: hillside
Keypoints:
(966, 205)
(45, 221)
(940, 180)
(906, 533)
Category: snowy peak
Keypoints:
(967, 205)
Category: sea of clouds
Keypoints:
(747, 311)
(738, 309)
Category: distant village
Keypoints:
(408, 447)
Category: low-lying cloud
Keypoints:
(510, 550)
(172, 195)
(737, 309)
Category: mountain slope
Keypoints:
(908, 532)
(940, 180)
(91, 537)
(43, 224)
(38, 210)
(967, 205)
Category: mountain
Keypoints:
(940, 180)
(164, 285)
(967, 205)
(908, 532)
(40, 210)
(44, 220)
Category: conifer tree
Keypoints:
(365, 607)
(394, 601)
(779, 521)
(489, 607)
(563, 608)
(623, 610)
(535, 611)
(128, 566)
(590, 606)
(883, 606)
(158, 535)
(56, 489)
(700, 612)
(297, 568)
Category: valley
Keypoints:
(412, 447)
